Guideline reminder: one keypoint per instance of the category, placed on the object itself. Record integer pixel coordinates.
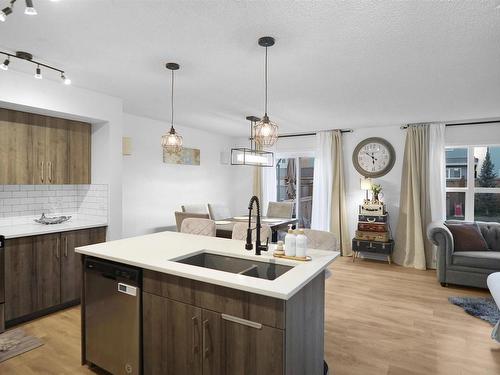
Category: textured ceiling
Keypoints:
(335, 63)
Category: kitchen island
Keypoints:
(208, 306)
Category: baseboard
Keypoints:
(39, 314)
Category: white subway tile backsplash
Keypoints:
(19, 203)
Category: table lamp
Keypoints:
(366, 184)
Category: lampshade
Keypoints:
(172, 142)
(266, 132)
(366, 183)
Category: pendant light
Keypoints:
(172, 141)
(266, 131)
(252, 156)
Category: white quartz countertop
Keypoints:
(34, 229)
(159, 251)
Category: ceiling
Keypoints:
(335, 64)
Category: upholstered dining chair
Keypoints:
(321, 240)
(240, 232)
(195, 208)
(201, 227)
(218, 211)
(181, 216)
(280, 210)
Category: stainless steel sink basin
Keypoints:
(247, 267)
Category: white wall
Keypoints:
(153, 190)
(21, 92)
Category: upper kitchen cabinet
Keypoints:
(36, 149)
(16, 156)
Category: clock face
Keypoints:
(373, 157)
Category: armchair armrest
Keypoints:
(440, 235)
(442, 238)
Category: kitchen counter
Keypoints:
(158, 252)
(34, 229)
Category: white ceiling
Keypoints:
(335, 63)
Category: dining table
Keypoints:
(225, 226)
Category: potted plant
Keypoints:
(376, 189)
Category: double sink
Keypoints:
(240, 266)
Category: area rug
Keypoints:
(15, 342)
(482, 308)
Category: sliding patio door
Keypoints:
(294, 183)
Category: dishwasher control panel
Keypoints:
(127, 289)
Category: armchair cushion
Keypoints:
(478, 259)
(467, 237)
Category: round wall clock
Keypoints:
(373, 157)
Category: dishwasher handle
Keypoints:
(113, 271)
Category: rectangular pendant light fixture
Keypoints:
(252, 156)
(246, 156)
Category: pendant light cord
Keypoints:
(265, 106)
(172, 102)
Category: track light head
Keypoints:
(4, 13)
(5, 65)
(65, 79)
(38, 72)
(30, 10)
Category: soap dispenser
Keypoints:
(301, 244)
(290, 243)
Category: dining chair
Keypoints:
(280, 210)
(240, 232)
(321, 240)
(181, 216)
(201, 227)
(201, 208)
(218, 211)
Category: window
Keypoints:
(294, 178)
(473, 183)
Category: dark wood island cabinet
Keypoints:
(191, 327)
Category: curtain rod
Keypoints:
(457, 123)
(291, 135)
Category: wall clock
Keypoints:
(373, 157)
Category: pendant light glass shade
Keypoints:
(266, 131)
(172, 142)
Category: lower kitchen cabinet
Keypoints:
(191, 327)
(251, 350)
(47, 256)
(43, 272)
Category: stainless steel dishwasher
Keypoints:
(113, 316)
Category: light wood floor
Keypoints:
(380, 319)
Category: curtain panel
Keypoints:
(422, 195)
(329, 201)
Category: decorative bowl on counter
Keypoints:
(52, 220)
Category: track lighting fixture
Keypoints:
(30, 10)
(29, 58)
(4, 13)
(5, 65)
(38, 72)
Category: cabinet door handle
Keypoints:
(49, 166)
(42, 172)
(57, 249)
(194, 319)
(206, 349)
(245, 322)
(66, 246)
